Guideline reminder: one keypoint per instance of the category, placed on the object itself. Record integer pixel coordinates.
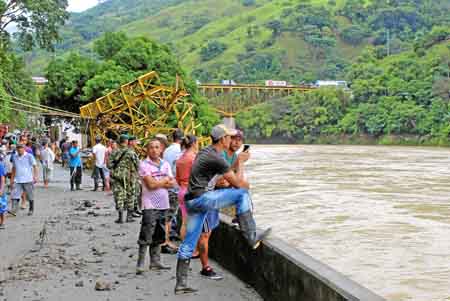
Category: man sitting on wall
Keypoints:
(201, 198)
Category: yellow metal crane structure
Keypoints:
(142, 108)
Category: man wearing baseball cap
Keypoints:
(201, 197)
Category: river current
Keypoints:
(380, 215)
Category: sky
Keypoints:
(81, 5)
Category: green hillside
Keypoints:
(254, 40)
(400, 99)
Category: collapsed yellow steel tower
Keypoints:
(142, 108)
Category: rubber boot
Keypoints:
(72, 187)
(119, 220)
(95, 186)
(155, 259)
(141, 259)
(248, 227)
(78, 186)
(181, 286)
(136, 212)
(130, 218)
(31, 207)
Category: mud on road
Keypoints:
(71, 249)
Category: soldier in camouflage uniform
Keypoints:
(121, 162)
(134, 180)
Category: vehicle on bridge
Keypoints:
(276, 83)
(331, 83)
(228, 82)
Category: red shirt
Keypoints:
(184, 166)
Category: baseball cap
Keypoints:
(20, 145)
(131, 138)
(221, 130)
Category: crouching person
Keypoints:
(156, 178)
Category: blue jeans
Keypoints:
(199, 207)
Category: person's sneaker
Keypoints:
(208, 272)
(135, 214)
(166, 249)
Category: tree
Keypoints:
(37, 21)
(353, 35)
(14, 82)
(66, 78)
(275, 26)
(212, 50)
(109, 44)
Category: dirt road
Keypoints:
(71, 244)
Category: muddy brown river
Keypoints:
(380, 215)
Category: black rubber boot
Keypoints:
(31, 207)
(141, 259)
(72, 188)
(181, 286)
(130, 218)
(95, 186)
(248, 227)
(78, 186)
(119, 220)
(155, 259)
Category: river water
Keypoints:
(380, 215)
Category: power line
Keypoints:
(47, 107)
(40, 109)
(11, 94)
(43, 109)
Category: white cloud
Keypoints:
(81, 5)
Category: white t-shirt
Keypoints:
(99, 150)
(47, 158)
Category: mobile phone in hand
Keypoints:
(246, 147)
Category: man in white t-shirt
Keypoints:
(99, 152)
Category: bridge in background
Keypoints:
(229, 100)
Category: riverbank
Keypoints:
(80, 247)
(389, 140)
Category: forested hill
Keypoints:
(251, 40)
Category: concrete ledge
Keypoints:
(280, 272)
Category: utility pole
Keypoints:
(388, 44)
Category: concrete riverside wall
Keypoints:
(280, 272)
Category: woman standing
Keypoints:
(183, 172)
(47, 159)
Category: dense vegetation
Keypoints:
(281, 39)
(402, 98)
(75, 79)
(36, 24)
(394, 54)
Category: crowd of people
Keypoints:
(176, 190)
(21, 160)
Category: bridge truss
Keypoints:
(142, 108)
(229, 100)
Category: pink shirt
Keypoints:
(156, 198)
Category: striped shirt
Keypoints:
(156, 198)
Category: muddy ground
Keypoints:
(71, 244)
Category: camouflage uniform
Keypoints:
(120, 176)
(135, 185)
